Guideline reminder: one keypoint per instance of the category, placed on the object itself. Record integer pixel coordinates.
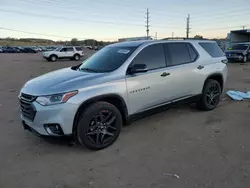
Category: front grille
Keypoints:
(27, 108)
(232, 54)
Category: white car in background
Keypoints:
(66, 52)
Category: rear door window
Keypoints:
(153, 56)
(70, 49)
(179, 53)
(212, 49)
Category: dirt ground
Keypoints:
(181, 147)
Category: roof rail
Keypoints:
(184, 38)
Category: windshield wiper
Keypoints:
(89, 70)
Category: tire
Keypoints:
(53, 58)
(210, 96)
(76, 57)
(97, 133)
(244, 59)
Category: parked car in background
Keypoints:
(67, 52)
(29, 50)
(10, 50)
(239, 52)
(1, 49)
(89, 47)
(17, 49)
(122, 81)
(34, 48)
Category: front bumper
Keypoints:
(61, 115)
(235, 57)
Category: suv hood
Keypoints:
(59, 81)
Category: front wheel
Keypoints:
(53, 58)
(99, 126)
(76, 57)
(211, 95)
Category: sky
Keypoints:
(109, 20)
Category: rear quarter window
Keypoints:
(212, 49)
(78, 48)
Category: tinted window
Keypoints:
(240, 47)
(78, 48)
(70, 49)
(192, 52)
(63, 50)
(107, 59)
(152, 56)
(212, 49)
(178, 53)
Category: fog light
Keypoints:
(54, 129)
(240, 57)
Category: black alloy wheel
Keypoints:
(102, 128)
(211, 95)
(99, 126)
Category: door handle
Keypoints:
(165, 74)
(200, 67)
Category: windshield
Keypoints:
(108, 59)
(240, 47)
(58, 49)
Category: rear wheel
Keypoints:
(99, 126)
(76, 57)
(211, 95)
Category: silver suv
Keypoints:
(122, 81)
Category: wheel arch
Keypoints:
(215, 76)
(114, 99)
(53, 55)
(77, 54)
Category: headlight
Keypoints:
(55, 99)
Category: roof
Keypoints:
(140, 42)
(130, 43)
(245, 31)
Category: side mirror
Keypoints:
(137, 68)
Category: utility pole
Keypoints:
(172, 35)
(155, 35)
(147, 23)
(188, 25)
(243, 27)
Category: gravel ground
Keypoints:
(181, 147)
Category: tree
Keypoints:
(198, 37)
(74, 41)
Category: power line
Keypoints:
(222, 28)
(74, 19)
(66, 18)
(32, 33)
(75, 10)
(77, 5)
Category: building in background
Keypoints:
(134, 39)
(238, 36)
